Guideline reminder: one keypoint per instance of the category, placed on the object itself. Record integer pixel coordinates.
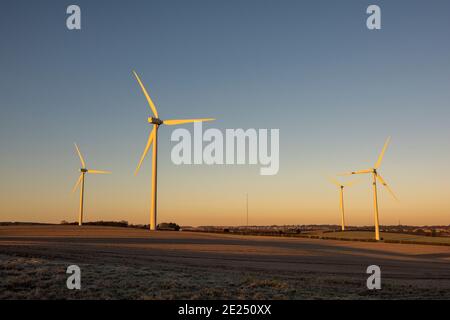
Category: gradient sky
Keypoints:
(310, 68)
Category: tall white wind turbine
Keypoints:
(341, 187)
(80, 182)
(153, 139)
(376, 176)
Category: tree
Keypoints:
(171, 226)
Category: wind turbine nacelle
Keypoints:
(83, 170)
(155, 121)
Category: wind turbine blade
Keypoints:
(386, 186)
(175, 122)
(351, 183)
(335, 182)
(356, 172)
(99, 172)
(83, 164)
(345, 174)
(147, 96)
(78, 182)
(380, 158)
(151, 137)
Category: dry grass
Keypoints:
(30, 278)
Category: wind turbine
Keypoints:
(376, 176)
(80, 181)
(341, 187)
(153, 138)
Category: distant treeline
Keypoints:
(124, 224)
(6, 223)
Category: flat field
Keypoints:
(125, 263)
(402, 237)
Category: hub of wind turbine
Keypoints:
(156, 121)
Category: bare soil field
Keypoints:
(125, 263)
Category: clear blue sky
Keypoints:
(310, 68)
